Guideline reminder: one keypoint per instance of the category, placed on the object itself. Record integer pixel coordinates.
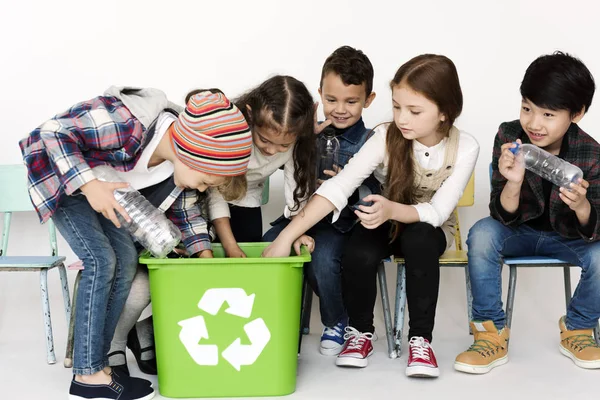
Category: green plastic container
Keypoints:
(226, 327)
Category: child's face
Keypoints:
(544, 127)
(416, 116)
(343, 104)
(188, 178)
(270, 141)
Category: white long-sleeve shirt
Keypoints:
(260, 167)
(373, 158)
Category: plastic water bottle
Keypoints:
(548, 166)
(328, 151)
(148, 226)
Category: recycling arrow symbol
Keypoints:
(194, 330)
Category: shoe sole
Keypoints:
(352, 362)
(480, 369)
(330, 352)
(580, 363)
(73, 397)
(422, 372)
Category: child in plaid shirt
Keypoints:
(132, 130)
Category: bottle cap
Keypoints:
(514, 150)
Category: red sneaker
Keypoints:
(356, 349)
(421, 360)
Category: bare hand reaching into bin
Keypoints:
(279, 249)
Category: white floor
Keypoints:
(536, 368)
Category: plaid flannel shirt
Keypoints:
(61, 153)
(582, 151)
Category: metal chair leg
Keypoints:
(68, 363)
(597, 333)
(307, 298)
(469, 299)
(567, 275)
(47, 320)
(399, 309)
(387, 317)
(510, 297)
(64, 281)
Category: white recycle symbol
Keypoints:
(193, 330)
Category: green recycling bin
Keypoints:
(226, 327)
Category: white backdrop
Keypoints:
(54, 54)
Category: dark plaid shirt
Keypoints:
(583, 151)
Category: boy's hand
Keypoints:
(234, 251)
(319, 127)
(304, 240)
(575, 197)
(509, 166)
(336, 170)
(373, 216)
(101, 197)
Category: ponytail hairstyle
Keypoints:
(284, 104)
(434, 77)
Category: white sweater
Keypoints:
(373, 158)
(260, 168)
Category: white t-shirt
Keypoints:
(141, 176)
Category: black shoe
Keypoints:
(120, 374)
(114, 390)
(146, 366)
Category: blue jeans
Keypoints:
(490, 241)
(110, 260)
(324, 272)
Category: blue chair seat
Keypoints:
(533, 261)
(27, 262)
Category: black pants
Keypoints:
(246, 224)
(420, 244)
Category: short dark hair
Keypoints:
(559, 81)
(351, 65)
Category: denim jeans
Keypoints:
(490, 241)
(110, 260)
(324, 272)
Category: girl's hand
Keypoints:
(319, 127)
(575, 197)
(234, 251)
(511, 166)
(279, 248)
(378, 213)
(304, 240)
(101, 197)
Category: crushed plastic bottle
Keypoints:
(148, 226)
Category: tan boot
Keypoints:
(579, 345)
(489, 350)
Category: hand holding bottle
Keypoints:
(100, 196)
(508, 166)
(575, 197)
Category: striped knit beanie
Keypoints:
(212, 136)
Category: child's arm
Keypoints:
(316, 209)
(187, 216)
(225, 235)
(218, 211)
(507, 179)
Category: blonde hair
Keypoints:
(234, 187)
